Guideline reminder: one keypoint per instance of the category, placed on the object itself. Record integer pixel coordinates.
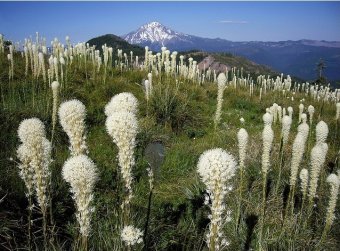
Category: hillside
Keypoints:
(116, 43)
(225, 59)
(179, 113)
(222, 60)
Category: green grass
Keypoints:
(181, 117)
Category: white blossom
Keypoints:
(242, 138)
(72, 118)
(124, 101)
(131, 235)
(216, 167)
(81, 173)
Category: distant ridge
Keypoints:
(116, 43)
(298, 58)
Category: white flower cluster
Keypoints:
(301, 107)
(298, 149)
(303, 129)
(221, 82)
(124, 101)
(242, 138)
(318, 157)
(286, 124)
(334, 182)
(131, 235)
(276, 112)
(81, 173)
(297, 154)
(311, 111)
(216, 167)
(321, 132)
(304, 181)
(304, 118)
(31, 129)
(337, 115)
(148, 86)
(35, 156)
(26, 170)
(268, 137)
(290, 112)
(122, 126)
(55, 88)
(72, 118)
(267, 119)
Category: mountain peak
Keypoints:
(153, 24)
(153, 32)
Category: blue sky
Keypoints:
(236, 21)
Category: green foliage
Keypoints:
(180, 116)
(116, 43)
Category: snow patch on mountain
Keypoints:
(153, 32)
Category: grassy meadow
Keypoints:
(180, 115)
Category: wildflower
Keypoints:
(131, 235)
(304, 181)
(318, 156)
(30, 129)
(124, 101)
(311, 111)
(123, 128)
(337, 116)
(221, 81)
(321, 132)
(268, 137)
(80, 172)
(72, 118)
(286, 124)
(290, 112)
(301, 107)
(334, 182)
(242, 137)
(216, 167)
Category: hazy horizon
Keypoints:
(235, 21)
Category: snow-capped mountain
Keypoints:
(298, 58)
(155, 33)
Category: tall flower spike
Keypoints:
(286, 124)
(124, 101)
(297, 154)
(304, 181)
(337, 116)
(311, 111)
(40, 161)
(26, 170)
(242, 138)
(72, 118)
(334, 183)
(267, 137)
(35, 157)
(81, 173)
(303, 129)
(318, 156)
(321, 132)
(55, 89)
(221, 81)
(304, 118)
(267, 119)
(123, 128)
(301, 107)
(216, 167)
(290, 112)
